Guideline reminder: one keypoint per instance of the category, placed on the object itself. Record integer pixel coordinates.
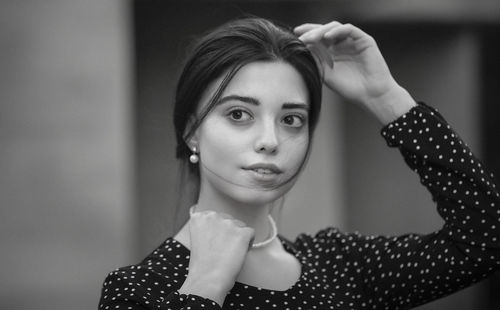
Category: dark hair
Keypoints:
(221, 53)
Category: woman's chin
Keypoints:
(259, 196)
(249, 191)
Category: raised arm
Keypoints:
(467, 248)
(398, 272)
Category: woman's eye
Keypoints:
(293, 120)
(239, 115)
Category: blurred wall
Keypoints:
(65, 181)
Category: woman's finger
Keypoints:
(238, 223)
(300, 30)
(343, 32)
(225, 215)
(316, 34)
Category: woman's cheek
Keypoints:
(222, 142)
(296, 149)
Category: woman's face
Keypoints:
(256, 137)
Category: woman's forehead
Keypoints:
(264, 81)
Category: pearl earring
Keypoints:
(194, 158)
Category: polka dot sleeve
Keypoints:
(380, 272)
(467, 248)
(134, 288)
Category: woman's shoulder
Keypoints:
(334, 240)
(154, 279)
(167, 264)
(327, 234)
(325, 239)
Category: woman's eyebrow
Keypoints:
(293, 105)
(249, 100)
(256, 102)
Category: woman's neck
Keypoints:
(253, 215)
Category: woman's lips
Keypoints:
(264, 171)
(267, 173)
(264, 168)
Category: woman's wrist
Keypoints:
(206, 286)
(391, 105)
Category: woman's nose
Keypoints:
(267, 139)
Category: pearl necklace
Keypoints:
(273, 235)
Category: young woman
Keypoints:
(246, 107)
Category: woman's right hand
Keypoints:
(354, 67)
(219, 245)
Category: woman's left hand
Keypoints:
(354, 68)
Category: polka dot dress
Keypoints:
(351, 271)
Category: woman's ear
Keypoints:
(191, 140)
(192, 143)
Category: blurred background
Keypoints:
(87, 167)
